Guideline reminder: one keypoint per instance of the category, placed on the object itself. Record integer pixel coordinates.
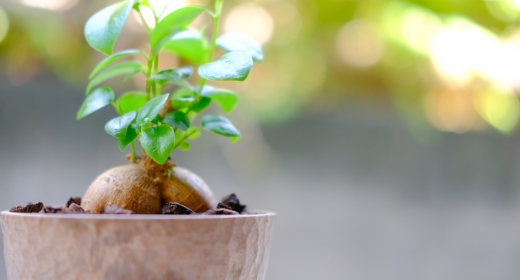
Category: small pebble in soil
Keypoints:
(29, 208)
(72, 209)
(231, 202)
(53, 209)
(114, 209)
(76, 200)
(221, 211)
(173, 208)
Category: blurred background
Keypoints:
(383, 133)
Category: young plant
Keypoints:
(162, 122)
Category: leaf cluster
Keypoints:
(163, 121)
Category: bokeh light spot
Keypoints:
(288, 21)
(4, 24)
(419, 26)
(358, 44)
(500, 108)
(250, 19)
(451, 110)
(55, 5)
(462, 48)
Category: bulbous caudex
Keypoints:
(145, 186)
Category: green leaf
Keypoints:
(98, 99)
(178, 119)
(182, 102)
(182, 98)
(174, 22)
(219, 125)
(150, 110)
(185, 146)
(131, 101)
(103, 28)
(117, 127)
(128, 68)
(201, 105)
(233, 42)
(225, 98)
(233, 66)
(158, 142)
(157, 120)
(190, 45)
(111, 59)
(130, 136)
(170, 76)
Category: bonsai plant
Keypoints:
(211, 246)
(162, 122)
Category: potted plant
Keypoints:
(202, 239)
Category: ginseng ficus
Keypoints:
(169, 112)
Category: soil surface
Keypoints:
(230, 205)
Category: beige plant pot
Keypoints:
(61, 246)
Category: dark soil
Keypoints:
(29, 208)
(230, 205)
(76, 200)
(231, 202)
(173, 208)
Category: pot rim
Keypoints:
(145, 217)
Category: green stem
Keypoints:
(212, 47)
(134, 153)
(216, 20)
(155, 70)
(148, 75)
(186, 136)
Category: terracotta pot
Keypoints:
(61, 246)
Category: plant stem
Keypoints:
(155, 70)
(216, 20)
(186, 136)
(148, 75)
(134, 153)
(212, 47)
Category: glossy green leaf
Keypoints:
(158, 142)
(98, 99)
(182, 102)
(201, 105)
(185, 146)
(190, 45)
(128, 68)
(178, 119)
(233, 42)
(112, 59)
(182, 98)
(233, 66)
(131, 101)
(117, 126)
(219, 125)
(130, 135)
(103, 28)
(170, 76)
(150, 110)
(225, 98)
(157, 120)
(173, 23)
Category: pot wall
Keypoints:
(54, 246)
